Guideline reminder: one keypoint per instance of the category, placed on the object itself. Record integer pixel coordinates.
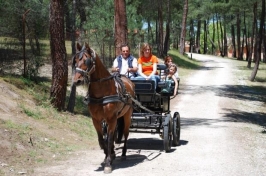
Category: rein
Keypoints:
(103, 79)
(121, 96)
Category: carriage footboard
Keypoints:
(146, 123)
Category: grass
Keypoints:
(183, 61)
(186, 66)
(243, 73)
(39, 128)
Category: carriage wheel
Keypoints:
(167, 133)
(176, 129)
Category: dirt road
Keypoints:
(216, 138)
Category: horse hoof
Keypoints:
(107, 170)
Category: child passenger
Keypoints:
(169, 78)
(168, 60)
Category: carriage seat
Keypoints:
(144, 86)
(147, 86)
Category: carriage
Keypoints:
(117, 108)
(152, 111)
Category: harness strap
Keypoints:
(104, 100)
(103, 79)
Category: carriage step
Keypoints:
(134, 130)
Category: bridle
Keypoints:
(89, 62)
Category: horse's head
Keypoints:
(83, 63)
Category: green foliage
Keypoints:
(35, 62)
(12, 57)
(11, 17)
(183, 61)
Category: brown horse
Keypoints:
(109, 98)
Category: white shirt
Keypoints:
(124, 65)
(176, 74)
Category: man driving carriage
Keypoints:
(126, 64)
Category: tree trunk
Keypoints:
(218, 34)
(246, 36)
(80, 7)
(243, 39)
(183, 30)
(222, 39)
(256, 67)
(253, 33)
(264, 46)
(58, 55)
(238, 36)
(213, 36)
(191, 43)
(225, 39)
(198, 37)
(72, 99)
(120, 25)
(167, 31)
(73, 28)
(160, 29)
(205, 37)
(233, 41)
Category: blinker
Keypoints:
(88, 62)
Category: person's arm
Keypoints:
(115, 66)
(154, 68)
(140, 71)
(176, 84)
(134, 65)
(176, 74)
(153, 71)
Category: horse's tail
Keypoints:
(120, 129)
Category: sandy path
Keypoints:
(212, 143)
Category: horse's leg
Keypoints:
(111, 152)
(120, 129)
(127, 122)
(98, 127)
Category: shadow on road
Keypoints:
(131, 160)
(145, 144)
(256, 95)
(232, 115)
(139, 150)
(257, 118)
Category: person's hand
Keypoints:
(117, 69)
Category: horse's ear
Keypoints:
(78, 47)
(87, 46)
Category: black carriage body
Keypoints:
(144, 121)
(152, 112)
